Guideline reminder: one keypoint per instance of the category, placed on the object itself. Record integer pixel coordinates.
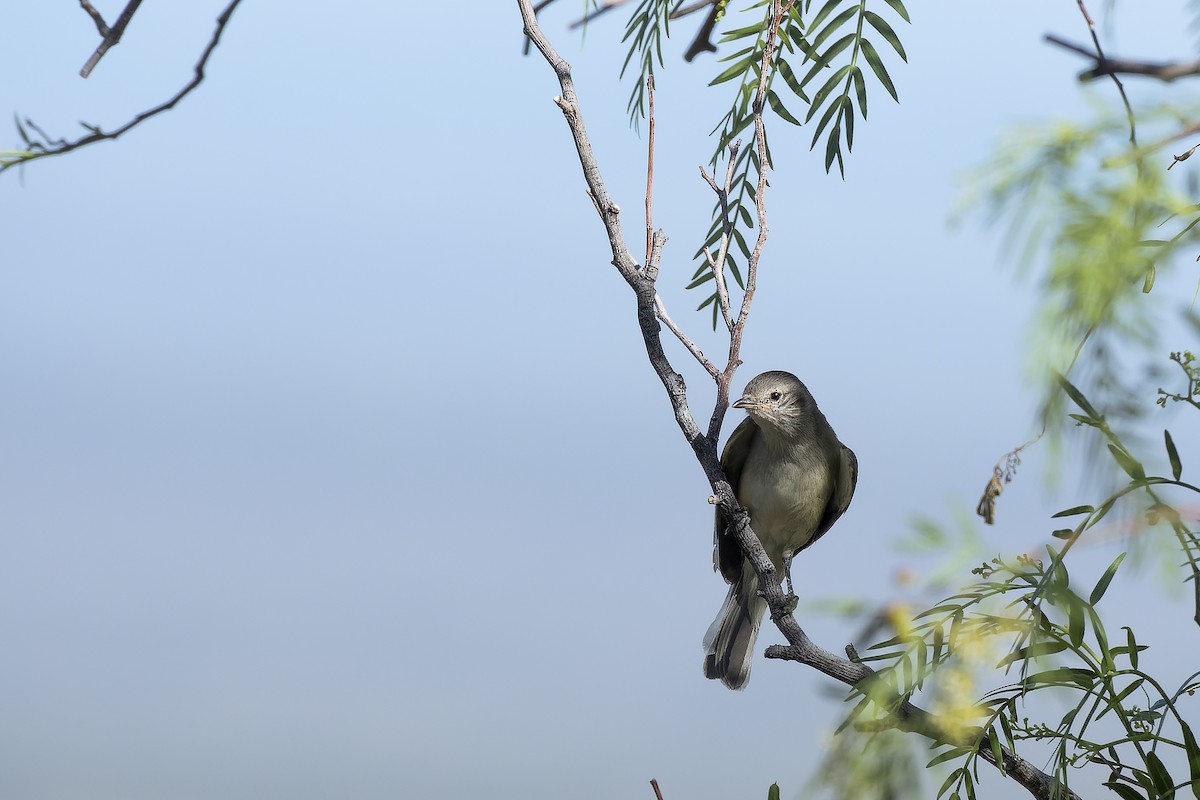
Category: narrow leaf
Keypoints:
(1070, 512)
(1128, 463)
(1077, 396)
(899, 8)
(1105, 579)
(1124, 791)
(1173, 454)
(1164, 784)
(1193, 756)
(778, 107)
(876, 63)
(885, 30)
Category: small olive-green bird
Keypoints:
(794, 478)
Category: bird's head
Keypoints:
(777, 400)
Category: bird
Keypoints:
(795, 479)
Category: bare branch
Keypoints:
(683, 11)
(717, 264)
(1166, 71)
(650, 166)
(109, 36)
(604, 8)
(57, 147)
(661, 310)
(101, 25)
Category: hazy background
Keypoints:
(330, 461)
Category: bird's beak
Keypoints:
(744, 402)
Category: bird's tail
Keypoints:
(729, 643)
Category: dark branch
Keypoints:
(56, 147)
(702, 43)
(1103, 66)
(109, 36)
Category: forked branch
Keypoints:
(44, 146)
(641, 280)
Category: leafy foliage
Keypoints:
(823, 59)
(1028, 617)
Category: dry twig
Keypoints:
(57, 147)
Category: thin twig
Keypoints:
(58, 147)
(1101, 58)
(717, 264)
(604, 8)
(649, 166)
(1166, 71)
(101, 25)
(691, 346)
(111, 35)
(683, 11)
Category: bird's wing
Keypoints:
(727, 555)
(843, 491)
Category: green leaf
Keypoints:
(952, 778)
(1033, 651)
(833, 52)
(899, 8)
(885, 30)
(740, 68)
(1077, 397)
(1075, 623)
(1124, 790)
(997, 750)
(831, 28)
(860, 89)
(1148, 284)
(778, 107)
(789, 77)
(1128, 463)
(773, 792)
(1193, 756)
(1062, 676)
(1115, 703)
(848, 118)
(1070, 512)
(825, 90)
(825, 11)
(1105, 579)
(1164, 784)
(830, 113)
(833, 150)
(1133, 647)
(949, 755)
(1173, 454)
(876, 63)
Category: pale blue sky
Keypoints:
(332, 465)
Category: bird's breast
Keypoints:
(786, 494)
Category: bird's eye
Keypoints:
(775, 395)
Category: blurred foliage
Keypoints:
(1099, 220)
(1072, 695)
